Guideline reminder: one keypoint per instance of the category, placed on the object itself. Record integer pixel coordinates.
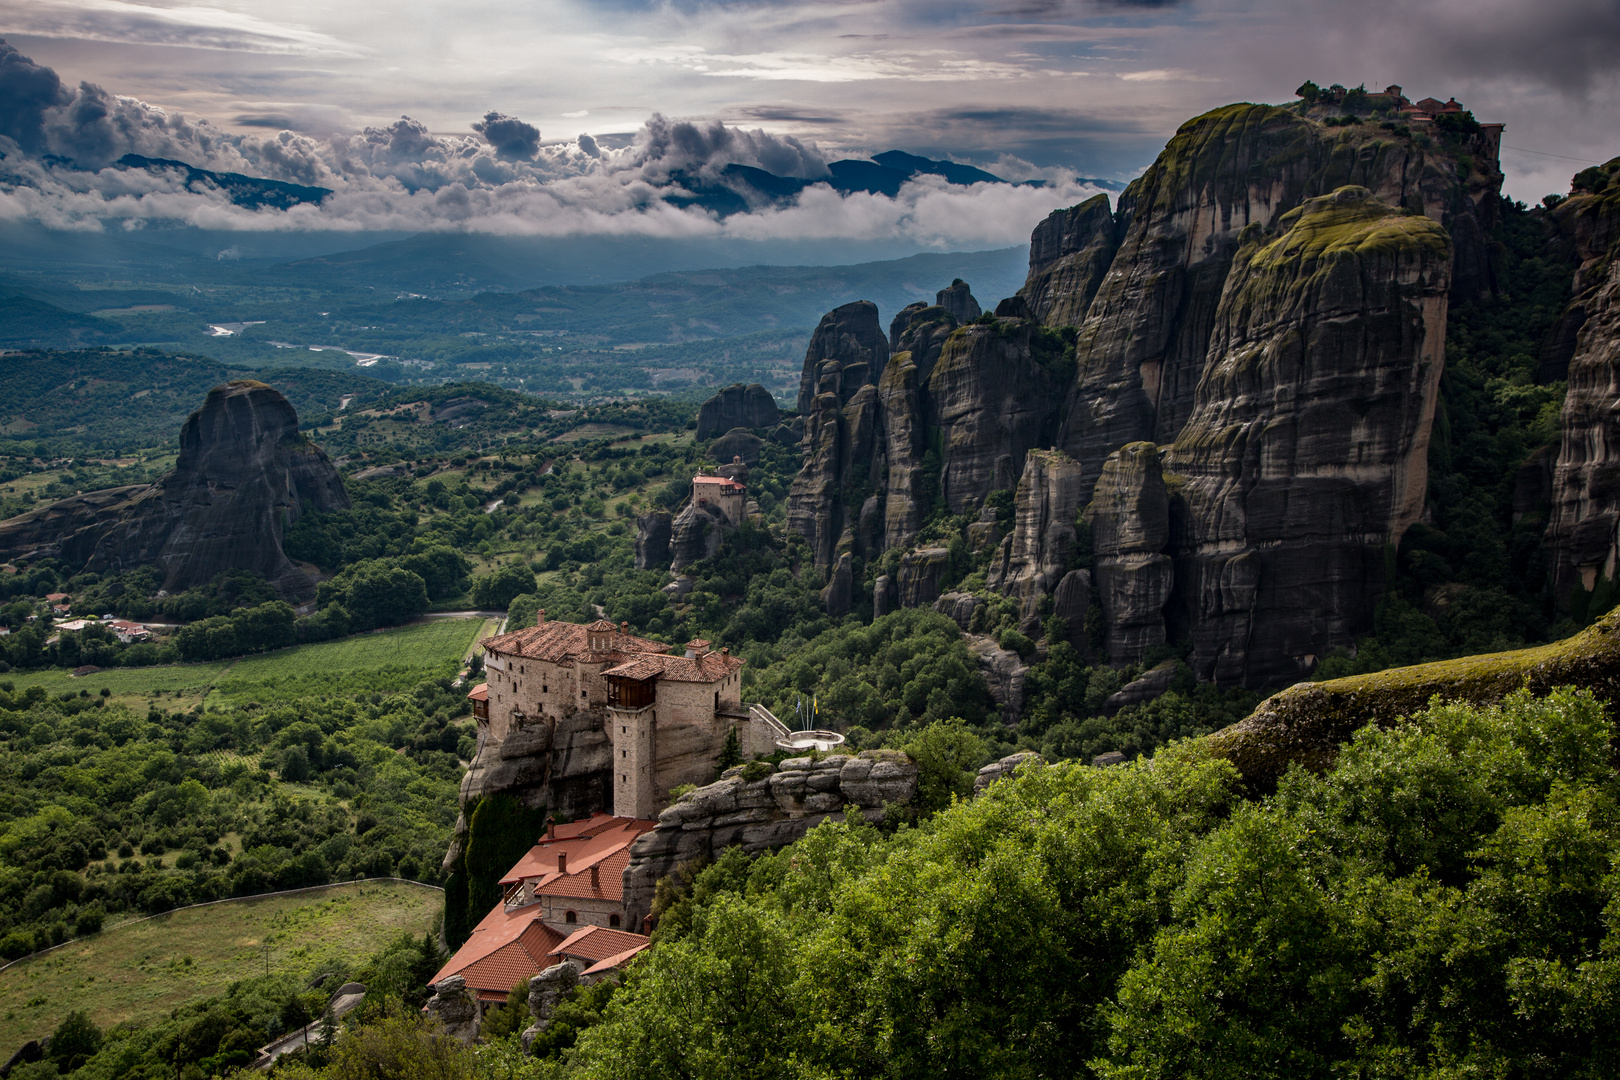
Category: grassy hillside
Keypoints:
(138, 972)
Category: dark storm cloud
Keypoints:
(788, 114)
(27, 90)
(276, 123)
(1567, 45)
(512, 139)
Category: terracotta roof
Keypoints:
(646, 667)
(563, 642)
(711, 667)
(613, 962)
(596, 943)
(697, 643)
(604, 844)
(479, 692)
(503, 950)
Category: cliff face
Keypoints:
(242, 476)
(851, 336)
(1239, 363)
(1306, 454)
(1582, 532)
(1032, 561)
(1146, 334)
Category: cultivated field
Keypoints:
(140, 971)
(385, 661)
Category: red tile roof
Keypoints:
(503, 950)
(563, 643)
(710, 667)
(615, 961)
(603, 842)
(723, 481)
(595, 943)
(479, 692)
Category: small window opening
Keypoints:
(613, 920)
(570, 917)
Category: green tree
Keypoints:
(947, 755)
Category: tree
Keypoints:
(1309, 91)
(76, 1041)
(497, 591)
(947, 754)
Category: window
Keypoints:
(624, 753)
(570, 917)
(613, 921)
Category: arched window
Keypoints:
(613, 921)
(570, 917)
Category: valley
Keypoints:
(758, 658)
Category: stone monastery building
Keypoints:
(666, 717)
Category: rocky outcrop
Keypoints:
(1071, 603)
(243, 475)
(696, 534)
(1142, 347)
(1036, 556)
(1145, 687)
(839, 594)
(957, 300)
(1069, 253)
(849, 335)
(905, 434)
(737, 406)
(453, 1006)
(763, 814)
(843, 436)
(1007, 766)
(1307, 723)
(959, 608)
(884, 598)
(1004, 673)
(992, 401)
(922, 574)
(1584, 530)
(737, 444)
(1130, 527)
(1306, 455)
(922, 331)
(653, 532)
(547, 990)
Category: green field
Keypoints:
(385, 660)
(140, 971)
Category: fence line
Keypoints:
(211, 903)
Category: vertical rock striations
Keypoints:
(850, 335)
(1129, 517)
(1069, 253)
(1035, 557)
(1305, 457)
(1582, 533)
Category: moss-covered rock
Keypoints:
(1307, 723)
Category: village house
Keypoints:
(564, 900)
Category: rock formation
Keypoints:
(653, 533)
(1007, 766)
(1582, 532)
(737, 443)
(1240, 363)
(737, 406)
(547, 990)
(1306, 454)
(1035, 557)
(696, 534)
(851, 336)
(763, 814)
(452, 1005)
(1069, 253)
(957, 300)
(837, 597)
(1130, 527)
(244, 473)
(1307, 723)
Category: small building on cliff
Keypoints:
(564, 900)
(666, 717)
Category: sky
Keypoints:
(553, 115)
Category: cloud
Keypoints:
(512, 139)
(501, 178)
(192, 26)
(27, 92)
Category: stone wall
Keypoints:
(763, 815)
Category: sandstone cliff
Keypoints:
(242, 476)
(1582, 532)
